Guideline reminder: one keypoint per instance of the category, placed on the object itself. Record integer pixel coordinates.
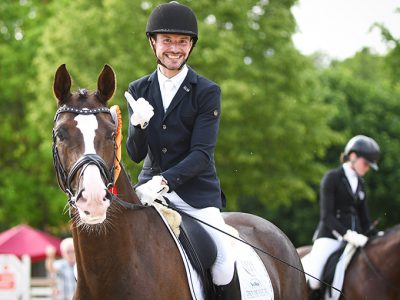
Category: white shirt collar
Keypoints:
(348, 170)
(351, 176)
(176, 80)
(169, 86)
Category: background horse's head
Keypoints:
(84, 144)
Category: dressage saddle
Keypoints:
(202, 252)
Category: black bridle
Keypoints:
(65, 178)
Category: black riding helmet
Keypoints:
(365, 147)
(174, 18)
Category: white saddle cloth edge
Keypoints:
(255, 282)
(194, 281)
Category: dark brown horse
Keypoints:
(374, 271)
(123, 250)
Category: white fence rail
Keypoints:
(42, 289)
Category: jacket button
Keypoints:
(164, 126)
(164, 150)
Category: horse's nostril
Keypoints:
(86, 212)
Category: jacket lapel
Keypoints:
(154, 95)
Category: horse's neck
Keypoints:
(133, 244)
(124, 187)
(127, 236)
(383, 251)
(133, 247)
(391, 240)
(110, 238)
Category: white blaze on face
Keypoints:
(94, 192)
(87, 124)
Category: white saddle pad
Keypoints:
(255, 283)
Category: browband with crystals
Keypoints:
(84, 111)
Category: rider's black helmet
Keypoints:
(174, 18)
(365, 147)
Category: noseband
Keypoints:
(63, 177)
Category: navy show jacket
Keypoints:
(179, 144)
(340, 208)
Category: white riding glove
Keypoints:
(142, 111)
(153, 189)
(357, 239)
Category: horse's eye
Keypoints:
(112, 136)
(61, 134)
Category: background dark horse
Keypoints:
(127, 252)
(374, 272)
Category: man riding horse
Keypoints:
(174, 120)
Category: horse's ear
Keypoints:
(62, 84)
(106, 83)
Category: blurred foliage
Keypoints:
(285, 119)
(25, 195)
(367, 99)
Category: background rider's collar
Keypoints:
(351, 175)
(348, 170)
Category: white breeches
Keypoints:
(314, 262)
(222, 270)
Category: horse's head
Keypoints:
(84, 144)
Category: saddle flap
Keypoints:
(330, 266)
(197, 243)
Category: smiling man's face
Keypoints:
(172, 50)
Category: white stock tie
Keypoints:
(169, 93)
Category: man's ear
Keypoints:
(152, 40)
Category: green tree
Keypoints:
(392, 59)
(21, 24)
(365, 91)
(274, 123)
(361, 87)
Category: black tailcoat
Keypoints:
(340, 208)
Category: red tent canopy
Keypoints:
(23, 239)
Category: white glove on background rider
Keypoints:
(142, 111)
(153, 189)
(357, 239)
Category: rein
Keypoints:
(65, 178)
(244, 242)
(378, 273)
(128, 205)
